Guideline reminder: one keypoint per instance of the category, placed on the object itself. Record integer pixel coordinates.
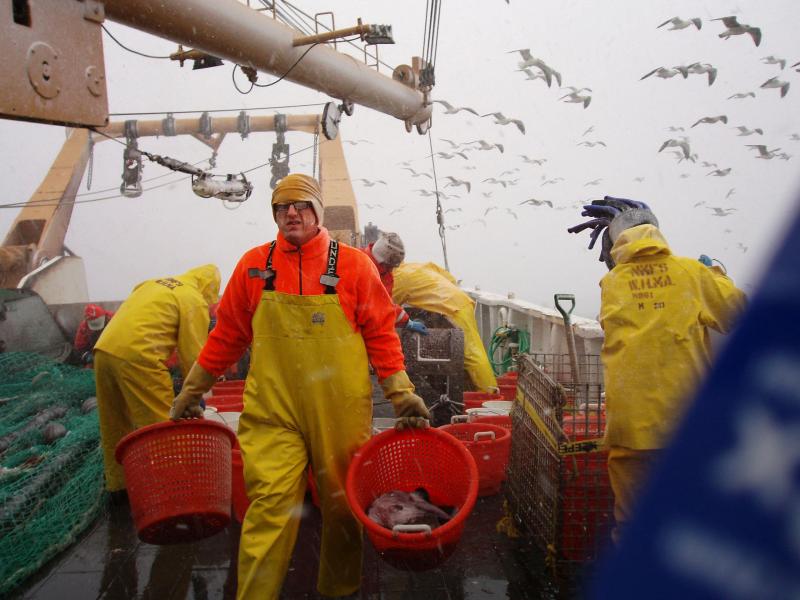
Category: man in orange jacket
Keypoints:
(387, 253)
(317, 315)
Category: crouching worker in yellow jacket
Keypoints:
(431, 288)
(134, 387)
(655, 309)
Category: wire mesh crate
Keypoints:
(558, 488)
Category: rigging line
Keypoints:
(236, 85)
(425, 32)
(130, 49)
(299, 15)
(439, 212)
(286, 18)
(271, 83)
(216, 110)
(436, 42)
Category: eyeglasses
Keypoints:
(298, 206)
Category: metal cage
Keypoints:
(558, 489)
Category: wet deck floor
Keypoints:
(110, 562)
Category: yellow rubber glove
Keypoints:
(409, 408)
(187, 403)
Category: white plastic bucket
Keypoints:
(498, 407)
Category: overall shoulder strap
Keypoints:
(330, 279)
(268, 274)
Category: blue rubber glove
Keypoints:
(705, 260)
(417, 327)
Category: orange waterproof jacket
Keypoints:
(364, 300)
(387, 279)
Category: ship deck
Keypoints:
(110, 562)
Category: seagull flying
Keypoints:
(589, 144)
(718, 119)
(501, 119)
(678, 23)
(774, 60)
(484, 145)
(449, 155)
(512, 213)
(720, 172)
(456, 182)
(700, 68)
(493, 180)
(777, 83)
(576, 98)
(369, 183)
(451, 110)
(745, 131)
(741, 95)
(721, 212)
(539, 161)
(674, 129)
(415, 174)
(735, 28)
(763, 152)
(528, 60)
(531, 76)
(665, 73)
(682, 143)
(371, 206)
(535, 202)
(588, 131)
(709, 165)
(593, 182)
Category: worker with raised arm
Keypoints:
(387, 253)
(428, 286)
(317, 315)
(656, 310)
(134, 386)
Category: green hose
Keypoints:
(501, 335)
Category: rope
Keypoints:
(316, 145)
(130, 49)
(439, 211)
(500, 336)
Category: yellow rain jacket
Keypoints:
(134, 387)
(655, 310)
(429, 287)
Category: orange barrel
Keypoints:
(489, 446)
(178, 476)
(476, 399)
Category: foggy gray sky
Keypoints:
(606, 46)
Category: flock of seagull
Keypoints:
(680, 147)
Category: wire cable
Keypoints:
(278, 80)
(439, 211)
(216, 110)
(130, 49)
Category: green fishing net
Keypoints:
(51, 465)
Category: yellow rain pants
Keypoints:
(476, 362)
(133, 396)
(307, 398)
(429, 287)
(628, 471)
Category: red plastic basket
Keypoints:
(233, 386)
(587, 500)
(226, 403)
(476, 399)
(489, 446)
(178, 476)
(503, 421)
(508, 391)
(407, 460)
